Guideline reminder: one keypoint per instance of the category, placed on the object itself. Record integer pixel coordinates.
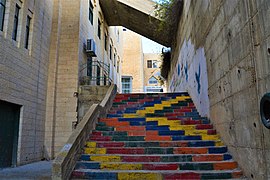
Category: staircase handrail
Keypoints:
(66, 159)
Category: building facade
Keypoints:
(152, 78)
(72, 67)
(25, 31)
(43, 61)
(140, 71)
(132, 67)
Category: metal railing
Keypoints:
(98, 73)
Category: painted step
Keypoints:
(156, 166)
(151, 121)
(157, 150)
(160, 133)
(156, 175)
(103, 144)
(156, 158)
(153, 137)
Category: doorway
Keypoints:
(9, 132)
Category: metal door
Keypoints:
(9, 130)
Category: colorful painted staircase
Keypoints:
(155, 136)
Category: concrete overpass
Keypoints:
(138, 16)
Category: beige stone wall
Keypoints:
(68, 62)
(149, 72)
(133, 60)
(232, 37)
(23, 73)
(63, 79)
(89, 31)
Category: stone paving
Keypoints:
(38, 171)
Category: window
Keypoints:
(105, 41)
(16, 21)
(98, 76)
(105, 80)
(91, 16)
(152, 64)
(126, 84)
(2, 13)
(118, 64)
(153, 89)
(99, 28)
(27, 32)
(152, 80)
(118, 36)
(89, 67)
(110, 52)
(114, 59)
(149, 63)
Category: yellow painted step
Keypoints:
(219, 143)
(141, 112)
(169, 122)
(156, 119)
(159, 106)
(106, 158)
(168, 103)
(210, 137)
(95, 150)
(195, 132)
(182, 98)
(91, 144)
(183, 127)
(139, 176)
(150, 109)
(118, 166)
(130, 115)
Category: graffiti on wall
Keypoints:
(190, 74)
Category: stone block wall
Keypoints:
(133, 60)
(63, 75)
(226, 44)
(24, 73)
(89, 95)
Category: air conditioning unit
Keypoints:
(90, 48)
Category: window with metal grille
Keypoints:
(126, 84)
(2, 13)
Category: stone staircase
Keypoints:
(155, 136)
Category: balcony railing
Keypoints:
(98, 73)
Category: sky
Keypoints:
(150, 46)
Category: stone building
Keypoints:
(43, 62)
(152, 77)
(70, 66)
(132, 67)
(25, 31)
(140, 71)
